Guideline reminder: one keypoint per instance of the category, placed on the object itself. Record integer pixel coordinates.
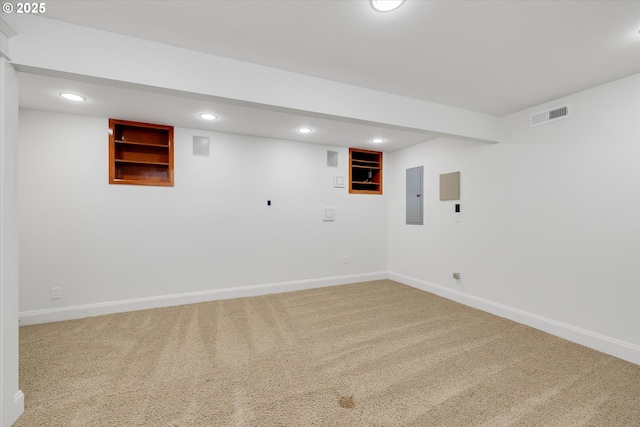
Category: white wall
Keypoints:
(550, 220)
(11, 398)
(549, 236)
(212, 232)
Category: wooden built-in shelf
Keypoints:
(365, 171)
(142, 163)
(140, 153)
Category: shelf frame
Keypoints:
(361, 162)
(146, 159)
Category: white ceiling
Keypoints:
(495, 57)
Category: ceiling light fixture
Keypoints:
(385, 5)
(72, 97)
(305, 130)
(207, 116)
(377, 140)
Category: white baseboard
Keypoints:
(16, 409)
(89, 310)
(618, 348)
(605, 344)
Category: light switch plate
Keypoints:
(338, 181)
(328, 214)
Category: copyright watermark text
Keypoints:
(35, 8)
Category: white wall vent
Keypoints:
(548, 116)
(201, 146)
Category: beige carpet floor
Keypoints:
(365, 354)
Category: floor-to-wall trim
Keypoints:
(98, 309)
(18, 405)
(615, 347)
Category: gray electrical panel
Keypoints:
(414, 195)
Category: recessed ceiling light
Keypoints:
(73, 97)
(385, 5)
(305, 130)
(207, 116)
(377, 140)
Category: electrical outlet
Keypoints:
(56, 293)
(345, 259)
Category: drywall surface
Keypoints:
(11, 398)
(549, 222)
(213, 230)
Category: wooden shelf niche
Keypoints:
(140, 153)
(365, 171)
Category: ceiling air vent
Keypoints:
(548, 116)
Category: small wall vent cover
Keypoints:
(548, 116)
(332, 158)
(201, 146)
